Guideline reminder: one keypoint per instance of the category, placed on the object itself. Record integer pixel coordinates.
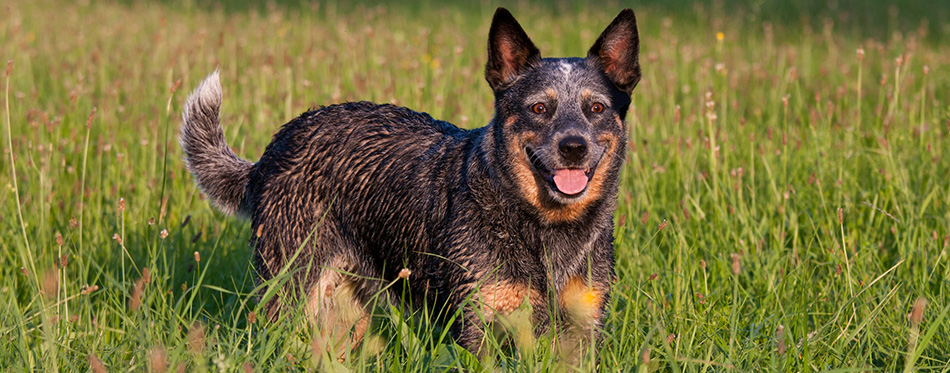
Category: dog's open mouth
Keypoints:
(567, 181)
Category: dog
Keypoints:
(482, 222)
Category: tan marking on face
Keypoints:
(619, 121)
(532, 186)
(503, 297)
(585, 94)
(583, 301)
(511, 120)
(562, 213)
(525, 178)
(552, 94)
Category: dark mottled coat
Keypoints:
(474, 215)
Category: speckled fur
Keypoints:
(371, 189)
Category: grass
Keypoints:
(784, 206)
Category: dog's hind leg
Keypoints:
(338, 305)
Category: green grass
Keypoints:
(775, 180)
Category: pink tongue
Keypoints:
(570, 181)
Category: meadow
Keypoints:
(785, 204)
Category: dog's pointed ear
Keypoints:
(510, 51)
(618, 50)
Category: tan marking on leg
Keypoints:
(339, 317)
(502, 298)
(582, 302)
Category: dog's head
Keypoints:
(559, 122)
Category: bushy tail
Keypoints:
(218, 171)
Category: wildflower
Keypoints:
(404, 273)
(645, 356)
(117, 238)
(197, 256)
(860, 52)
(252, 317)
(720, 36)
(59, 239)
(121, 207)
(163, 234)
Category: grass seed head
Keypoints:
(96, 365)
(196, 339)
(176, 85)
(135, 301)
(917, 313)
(91, 116)
(736, 265)
(50, 284)
(780, 336)
(157, 360)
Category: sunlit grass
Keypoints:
(784, 204)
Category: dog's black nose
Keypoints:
(573, 148)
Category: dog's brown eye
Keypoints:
(538, 108)
(597, 107)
